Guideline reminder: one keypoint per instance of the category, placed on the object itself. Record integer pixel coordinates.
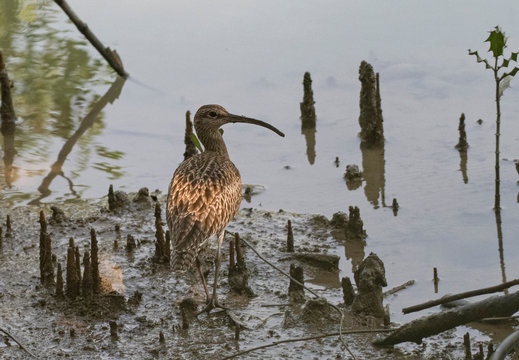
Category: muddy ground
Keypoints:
(145, 299)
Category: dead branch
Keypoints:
(418, 329)
(275, 343)
(17, 342)
(110, 55)
(398, 288)
(449, 298)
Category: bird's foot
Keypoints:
(211, 304)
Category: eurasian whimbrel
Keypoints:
(205, 193)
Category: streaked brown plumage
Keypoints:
(205, 192)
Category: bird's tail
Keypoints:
(187, 243)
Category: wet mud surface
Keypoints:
(141, 317)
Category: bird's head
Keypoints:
(210, 118)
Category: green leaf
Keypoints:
(479, 59)
(196, 142)
(514, 71)
(497, 41)
(514, 56)
(505, 63)
(511, 73)
(221, 131)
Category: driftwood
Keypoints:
(459, 296)
(418, 329)
(110, 55)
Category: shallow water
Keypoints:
(251, 59)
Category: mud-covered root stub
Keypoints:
(370, 118)
(462, 144)
(188, 310)
(370, 277)
(308, 116)
(290, 237)
(296, 290)
(46, 266)
(351, 224)
(162, 243)
(72, 277)
(117, 200)
(94, 261)
(131, 244)
(58, 215)
(348, 294)
(59, 282)
(320, 312)
(238, 272)
(87, 284)
(353, 177)
(395, 207)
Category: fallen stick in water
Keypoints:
(110, 55)
(459, 296)
(398, 288)
(416, 330)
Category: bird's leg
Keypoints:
(216, 269)
(213, 302)
(204, 281)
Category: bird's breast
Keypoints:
(205, 188)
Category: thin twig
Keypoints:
(398, 288)
(312, 292)
(449, 298)
(17, 342)
(275, 343)
(275, 305)
(110, 55)
(501, 318)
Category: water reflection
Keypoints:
(8, 117)
(354, 250)
(373, 170)
(56, 169)
(463, 165)
(462, 147)
(54, 82)
(310, 144)
(497, 212)
(10, 173)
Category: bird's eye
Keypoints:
(212, 114)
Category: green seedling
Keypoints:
(197, 143)
(497, 40)
(502, 78)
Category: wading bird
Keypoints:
(205, 194)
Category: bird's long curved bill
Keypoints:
(243, 119)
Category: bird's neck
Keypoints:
(213, 141)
